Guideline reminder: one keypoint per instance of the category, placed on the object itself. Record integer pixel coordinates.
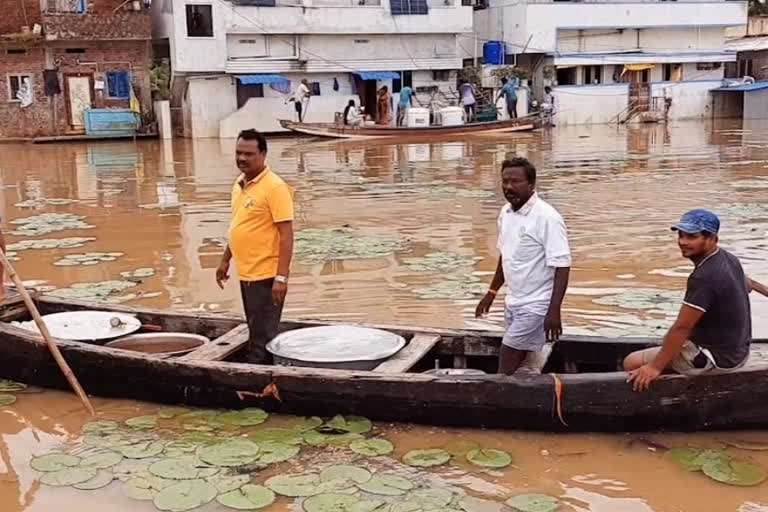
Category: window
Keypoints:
(118, 85)
(314, 88)
(74, 50)
(441, 75)
(14, 84)
(593, 75)
(17, 51)
(245, 92)
(673, 72)
(406, 81)
(745, 67)
(566, 76)
(199, 21)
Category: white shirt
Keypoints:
(301, 92)
(533, 242)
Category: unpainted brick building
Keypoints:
(71, 55)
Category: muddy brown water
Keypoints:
(165, 205)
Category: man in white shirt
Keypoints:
(535, 264)
(301, 93)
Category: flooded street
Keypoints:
(398, 234)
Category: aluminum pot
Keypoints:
(160, 343)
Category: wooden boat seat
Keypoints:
(221, 347)
(409, 355)
(535, 361)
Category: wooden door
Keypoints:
(79, 98)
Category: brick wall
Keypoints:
(104, 19)
(18, 13)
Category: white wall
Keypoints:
(755, 104)
(209, 101)
(690, 100)
(589, 104)
(663, 40)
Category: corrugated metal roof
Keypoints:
(746, 87)
(747, 44)
(261, 79)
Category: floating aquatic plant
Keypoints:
(50, 243)
(454, 288)
(43, 202)
(489, 458)
(426, 458)
(322, 245)
(372, 447)
(89, 258)
(718, 465)
(440, 261)
(48, 223)
(533, 503)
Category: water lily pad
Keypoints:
(100, 427)
(322, 245)
(329, 502)
(128, 467)
(185, 495)
(54, 462)
(227, 483)
(304, 424)
(489, 458)
(337, 485)
(472, 504)
(68, 476)
(179, 448)
(10, 385)
(143, 422)
(355, 474)
(693, 459)
(431, 499)
(105, 440)
(294, 485)
(48, 223)
(315, 438)
(426, 458)
(282, 435)
(387, 485)
(533, 503)
(182, 468)
(244, 418)
(354, 424)
(272, 452)
(460, 447)
(102, 479)
(138, 493)
(234, 452)
(368, 506)
(142, 450)
(372, 447)
(734, 472)
(171, 412)
(7, 399)
(439, 261)
(247, 497)
(102, 460)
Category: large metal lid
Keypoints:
(336, 344)
(86, 325)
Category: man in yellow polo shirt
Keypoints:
(260, 240)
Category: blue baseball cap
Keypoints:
(698, 221)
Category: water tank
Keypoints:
(493, 53)
(418, 118)
(452, 116)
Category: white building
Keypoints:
(235, 61)
(618, 59)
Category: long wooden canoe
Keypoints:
(595, 396)
(341, 131)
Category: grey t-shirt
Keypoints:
(718, 287)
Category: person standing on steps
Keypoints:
(260, 241)
(535, 263)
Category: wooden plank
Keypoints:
(404, 360)
(222, 347)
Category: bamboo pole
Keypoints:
(66, 370)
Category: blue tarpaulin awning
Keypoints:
(261, 79)
(756, 86)
(378, 75)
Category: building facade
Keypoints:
(612, 61)
(750, 43)
(235, 63)
(61, 58)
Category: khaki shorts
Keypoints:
(683, 363)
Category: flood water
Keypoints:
(424, 218)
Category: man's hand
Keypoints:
(278, 293)
(642, 377)
(222, 273)
(485, 305)
(553, 326)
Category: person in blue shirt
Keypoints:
(406, 100)
(509, 91)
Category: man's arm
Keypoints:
(485, 303)
(553, 325)
(2, 269)
(222, 272)
(279, 290)
(751, 283)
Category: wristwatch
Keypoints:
(281, 279)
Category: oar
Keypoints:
(66, 370)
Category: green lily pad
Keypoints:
(372, 447)
(227, 483)
(329, 502)
(426, 458)
(7, 400)
(472, 504)
(68, 476)
(179, 448)
(693, 459)
(128, 467)
(100, 427)
(101, 460)
(201, 416)
(352, 473)
(234, 452)
(10, 385)
(533, 503)
(281, 435)
(105, 440)
(142, 450)
(431, 499)
(244, 418)
(387, 485)
(185, 495)
(143, 422)
(171, 412)
(354, 424)
(247, 497)
(368, 506)
(272, 452)
(734, 472)
(54, 462)
(489, 458)
(294, 485)
(102, 479)
(304, 424)
(460, 447)
(315, 438)
(182, 468)
(338, 486)
(138, 493)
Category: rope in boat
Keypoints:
(557, 406)
(270, 390)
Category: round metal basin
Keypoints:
(163, 343)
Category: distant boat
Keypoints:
(342, 131)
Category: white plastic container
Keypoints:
(418, 118)
(452, 116)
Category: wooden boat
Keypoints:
(597, 398)
(342, 131)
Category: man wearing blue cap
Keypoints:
(713, 330)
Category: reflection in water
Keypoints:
(165, 204)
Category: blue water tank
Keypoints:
(493, 52)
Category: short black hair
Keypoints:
(503, 80)
(252, 134)
(525, 164)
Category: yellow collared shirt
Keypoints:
(257, 207)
